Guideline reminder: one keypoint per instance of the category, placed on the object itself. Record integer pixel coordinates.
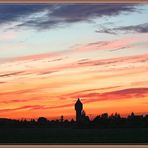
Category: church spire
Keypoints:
(78, 108)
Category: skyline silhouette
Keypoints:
(80, 112)
(81, 120)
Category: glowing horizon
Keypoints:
(52, 54)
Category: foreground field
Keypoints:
(73, 136)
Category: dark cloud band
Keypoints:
(27, 15)
(141, 28)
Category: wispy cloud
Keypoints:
(16, 101)
(36, 107)
(126, 59)
(130, 93)
(27, 107)
(87, 91)
(110, 45)
(2, 82)
(11, 74)
(141, 28)
(55, 56)
(82, 63)
(43, 16)
(18, 92)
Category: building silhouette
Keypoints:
(78, 109)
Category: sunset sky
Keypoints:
(52, 54)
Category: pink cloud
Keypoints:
(85, 63)
(129, 93)
(56, 56)
(112, 45)
(117, 61)
(79, 64)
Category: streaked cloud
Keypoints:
(43, 16)
(11, 74)
(29, 107)
(36, 107)
(130, 93)
(141, 28)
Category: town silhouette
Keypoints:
(81, 121)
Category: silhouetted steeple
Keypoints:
(78, 108)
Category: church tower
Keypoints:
(78, 108)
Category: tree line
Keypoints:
(100, 121)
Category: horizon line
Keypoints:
(73, 117)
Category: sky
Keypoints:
(52, 54)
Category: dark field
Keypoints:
(73, 136)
